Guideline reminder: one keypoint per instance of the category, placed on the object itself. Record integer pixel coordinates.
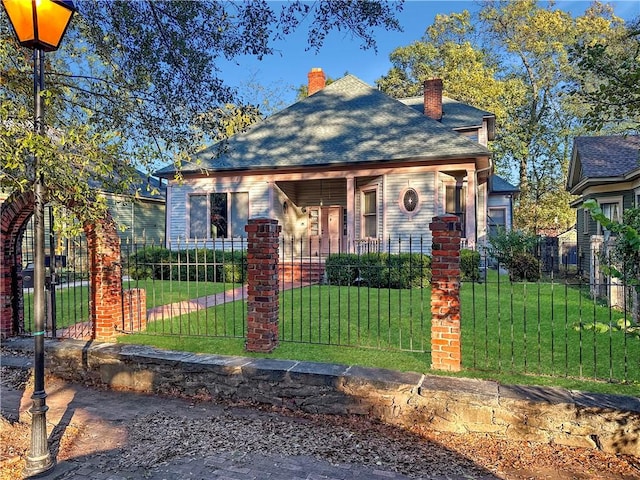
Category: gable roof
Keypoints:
(603, 159)
(499, 185)
(147, 187)
(455, 114)
(347, 122)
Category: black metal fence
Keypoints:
(561, 323)
(67, 286)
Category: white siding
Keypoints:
(257, 187)
(402, 225)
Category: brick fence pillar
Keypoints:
(445, 293)
(105, 278)
(135, 309)
(262, 285)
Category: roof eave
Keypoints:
(486, 156)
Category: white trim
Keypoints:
(167, 217)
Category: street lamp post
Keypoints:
(39, 25)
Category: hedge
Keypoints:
(379, 270)
(188, 265)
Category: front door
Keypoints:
(325, 229)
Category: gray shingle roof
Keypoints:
(455, 114)
(144, 188)
(498, 184)
(347, 122)
(608, 156)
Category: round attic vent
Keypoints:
(410, 200)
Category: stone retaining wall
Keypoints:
(607, 422)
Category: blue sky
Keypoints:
(281, 73)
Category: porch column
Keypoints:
(351, 213)
(263, 285)
(471, 226)
(445, 293)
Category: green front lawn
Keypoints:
(545, 329)
(72, 301)
(544, 333)
(509, 330)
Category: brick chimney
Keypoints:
(316, 80)
(433, 98)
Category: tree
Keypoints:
(512, 60)
(135, 84)
(446, 51)
(607, 84)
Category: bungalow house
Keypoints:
(344, 168)
(606, 169)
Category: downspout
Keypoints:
(486, 203)
(167, 220)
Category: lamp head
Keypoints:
(39, 24)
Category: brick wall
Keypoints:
(135, 310)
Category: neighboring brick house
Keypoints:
(606, 169)
(345, 167)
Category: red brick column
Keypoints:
(445, 293)
(135, 309)
(263, 286)
(105, 279)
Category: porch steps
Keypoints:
(301, 271)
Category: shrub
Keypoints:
(469, 265)
(149, 262)
(524, 266)
(380, 270)
(342, 268)
(512, 249)
(188, 265)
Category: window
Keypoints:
(370, 214)
(610, 209)
(198, 216)
(497, 220)
(218, 215)
(314, 222)
(410, 200)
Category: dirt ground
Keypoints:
(319, 436)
